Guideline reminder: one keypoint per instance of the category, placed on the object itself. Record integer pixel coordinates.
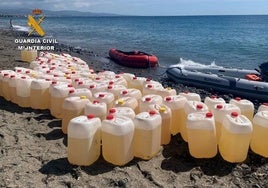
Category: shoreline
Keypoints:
(33, 149)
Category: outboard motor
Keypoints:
(264, 71)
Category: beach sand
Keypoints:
(33, 149)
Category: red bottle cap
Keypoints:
(55, 75)
(47, 79)
(199, 106)
(101, 95)
(149, 86)
(219, 106)
(234, 114)
(152, 112)
(238, 99)
(168, 99)
(134, 78)
(71, 91)
(148, 79)
(12, 76)
(124, 92)
(111, 83)
(110, 117)
(112, 110)
(148, 99)
(92, 86)
(48, 71)
(209, 115)
(6, 74)
(96, 102)
(70, 85)
(54, 82)
(98, 78)
(110, 87)
(23, 77)
(80, 83)
(117, 76)
(76, 80)
(214, 96)
(27, 72)
(90, 116)
(19, 70)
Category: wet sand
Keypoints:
(33, 149)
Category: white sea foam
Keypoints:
(21, 28)
(191, 63)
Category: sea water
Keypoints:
(232, 41)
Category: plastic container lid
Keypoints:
(199, 106)
(121, 101)
(96, 102)
(238, 99)
(213, 96)
(209, 115)
(152, 112)
(90, 116)
(83, 97)
(112, 110)
(168, 99)
(71, 91)
(110, 117)
(234, 114)
(162, 109)
(148, 99)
